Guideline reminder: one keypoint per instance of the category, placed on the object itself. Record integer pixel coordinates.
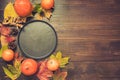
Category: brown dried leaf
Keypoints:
(47, 13)
(60, 76)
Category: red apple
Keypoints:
(23, 7)
(47, 4)
(53, 64)
(29, 67)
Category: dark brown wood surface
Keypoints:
(89, 32)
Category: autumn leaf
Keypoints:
(59, 55)
(12, 72)
(9, 11)
(40, 12)
(60, 76)
(38, 17)
(2, 49)
(62, 60)
(52, 57)
(47, 13)
(4, 43)
(5, 31)
(8, 73)
(44, 73)
(37, 8)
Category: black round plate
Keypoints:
(37, 39)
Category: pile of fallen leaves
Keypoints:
(11, 18)
(13, 70)
(45, 74)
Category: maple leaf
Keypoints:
(62, 60)
(60, 75)
(44, 73)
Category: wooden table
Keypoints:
(89, 32)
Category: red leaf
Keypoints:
(10, 39)
(5, 31)
(42, 66)
(44, 73)
(18, 57)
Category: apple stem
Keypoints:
(27, 68)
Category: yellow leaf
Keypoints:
(62, 60)
(59, 55)
(2, 49)
(3, 40)
(9, 11)
(52, 57)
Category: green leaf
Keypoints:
(12, 69)
(17, 66)
(47, 13)
(37, 8)
(60, 76)
(8, 73)
(2, 49)
(12, 72)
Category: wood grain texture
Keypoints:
(89, 32)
